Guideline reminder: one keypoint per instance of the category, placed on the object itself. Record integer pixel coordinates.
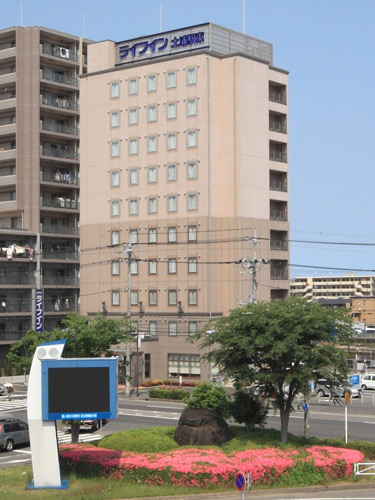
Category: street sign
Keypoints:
(239, 481)
(347, 397)
(305, 407)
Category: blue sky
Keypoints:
(328, 46)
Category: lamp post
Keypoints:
(128, 251)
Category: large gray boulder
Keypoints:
(201, 427)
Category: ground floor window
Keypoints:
(147, 365)
(186, 365)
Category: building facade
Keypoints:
(333, 287)
(39, 178)
(184, 186)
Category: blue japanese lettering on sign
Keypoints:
(184, 40)
(39, 311)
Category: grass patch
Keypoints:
(152, 440)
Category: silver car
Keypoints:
(12, 432)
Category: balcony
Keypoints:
(60, 202)
(7, 129)
(60, 152)
(7, 53)
(60, 255)
(279, 274)
(59, 77)
(59, 128)
(60, 177)
(276, 244)
(60, 52)
(59, 229)
(60, 280)
(59, 102)
(60, 305)
(14, 305)
(7, 180)
(17, 278)
(276, 126)
(12, 335)
(277, 93)
(276, 155)
(278, 214)
(9, 76)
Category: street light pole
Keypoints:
(128, 251)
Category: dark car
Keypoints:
(2, 390)
(12, 432)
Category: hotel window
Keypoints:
(192, 265)
(152, 205)
(171, 79)
(191, 107)
(115, 208)
(134, 297)
(172, 328)
(193, 327)
(152, 144)
(172, 203)
(133, 236)
(115, 149)
(192, 233)
(115, 119)
(152, 174)
(153, 297)
(191, 76)
(133, 267)
(193, 297)
(133, 86)
(172, 297)
(171, 141)
(172, 234)
(192, 202)
(153, 327)
(191, 138)
(192, 170)
(152, 267)
(151, 114)
(172, 172)
(133, 176)
(133, 207)
(151, 83)
(115, 268)
(152, 235)
(171, 110)
(115, 178)
(115, 89)
(115, 237)
(133, 146)
(133, 116)
(115, 297)
(172, 266)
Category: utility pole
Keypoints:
(128, 251)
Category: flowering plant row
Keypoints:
(204, 467)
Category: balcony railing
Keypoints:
(59, 153)
(59, 102)
(15, 305)
(277, 185)
(60, 52)
(149, 337)
(59, 229)
(60, 203)
(60, 177)
(278, 215)
(60, 280)
(278, 156)
(60, 255)
(277, 127)
(60, 128)
(275, 96)
(12, 335)
(17, 279)
(279, 274)
(60, 305)
(279, 245)
(4, 96)
(59, 77)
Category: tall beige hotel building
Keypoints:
(183, 187)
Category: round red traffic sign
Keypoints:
(239, 481)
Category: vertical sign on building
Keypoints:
(39, 311)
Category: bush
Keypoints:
(211, 398)
(247, 408)
(169, 394)
(152, 440)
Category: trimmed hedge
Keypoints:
(169, 394)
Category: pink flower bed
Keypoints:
(197, 467)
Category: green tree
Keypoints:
(280, 346)
(210, 397)
(247, 408)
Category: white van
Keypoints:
(368, 382)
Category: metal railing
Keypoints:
(59, 102)
(60, 153)
(279, 274)
(275, 96)
(277, 127)
(59, 77)
(59, 228)
(278, 156)
(60, 128)
(15, 305)
(61, 52)
(60, 280)
(60, 203)
(276, 185)
(278, 245)
(4, 96)
(60, 305)
(278, 215)
(61, 178)
(60, 255)
(17, 279)
(10, 335)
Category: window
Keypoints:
(153, 327)
(192, 265)
(115, 268)
(115, 90)
(134, 297)
(115, 119)
(151, 113)
(134, 267)
(192, 233)
(115, 297)
(172, 297)
(115, 149)
(115, 237)
(171, 110)
(115, 208)
(152, 205)
(147, 365)
(193, 327)
(192, 202)
(133, 207)
(152, 144)
(172, 203)
(191, 107)
(152, 235)
(133, 236)
(172, 173)
(193, 297)
(191, 76)
(133, 176)
(133, 116)
(153, 297)
(171, 141)
(152, 174)
(152, 267)
(133, 146)
(115, 178)
(171, 79)
(172, 266)
(172, 328)
(192, 170)
(187, 365)
(151, 83)
(133, 86)
(191, 138)
(172, 234)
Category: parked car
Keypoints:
(368, 382)
(12, 432)
(322, 389)
(92, 425)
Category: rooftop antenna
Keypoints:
(84, 25)
(21, 13)
(244, 17)
(161, 16)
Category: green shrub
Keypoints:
(247, 408)
(303, 474)
(153, 440)
(169, 394)
(211, 398)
